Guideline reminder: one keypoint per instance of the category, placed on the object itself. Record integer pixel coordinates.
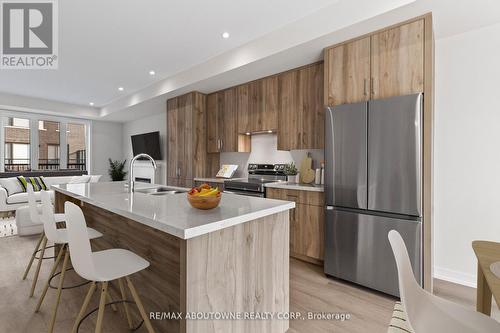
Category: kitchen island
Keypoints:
(231, 261)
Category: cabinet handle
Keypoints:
(364, 87)
(218, 144)
(221, 144)
(372, 84)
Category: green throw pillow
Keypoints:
(37, 183)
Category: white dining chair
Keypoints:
(41, 245)
(427, 313)
(59, 237)
(102, 267)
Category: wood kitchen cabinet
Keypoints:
(222, 123)
(257, 104)
(300, 111)
(186, 144)
(397, 61)
(347, 72)
(384, 64)
(306, 223)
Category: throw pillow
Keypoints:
(37, 183)
(11, 185)
(79, 179)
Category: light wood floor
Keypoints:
(310, 291)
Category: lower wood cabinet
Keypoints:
(306, 223)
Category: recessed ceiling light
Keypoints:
(91, 103)
(247, 133)
(269, 131)
(152, 73)
(120, 88)
(225, 35)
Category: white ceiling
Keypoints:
(181, 41)
(112, 43)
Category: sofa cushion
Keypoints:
(49, 181)
(23, 197)
(11, 185)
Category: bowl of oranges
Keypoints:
(204, 197)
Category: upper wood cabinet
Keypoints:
(186, 138)
(257, 104)
(398, 61)
(222, 123)
(385, 64)
(300, 111)
(347, 72)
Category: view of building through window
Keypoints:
(17, 144)
(77, 153)
(49, 137)
(19, 152)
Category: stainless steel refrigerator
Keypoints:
(373, 180)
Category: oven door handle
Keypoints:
(247, 193)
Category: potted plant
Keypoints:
(116, 170)
(292, 173)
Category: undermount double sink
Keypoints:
(161, 190)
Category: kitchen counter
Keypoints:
(172, 213)
(294, 186)
(200, 261)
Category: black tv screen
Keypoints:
(147, 143)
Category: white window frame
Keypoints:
(34, 119)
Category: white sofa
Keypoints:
(14, 201)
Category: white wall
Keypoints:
(467, 150)
(265, 150)
(157, 122)
(106, 141)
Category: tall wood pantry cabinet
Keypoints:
(186, 139)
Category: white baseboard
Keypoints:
(446, 274)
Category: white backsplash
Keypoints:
(265, 150)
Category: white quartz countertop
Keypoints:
(215, 180)
(172, 213)
(295, 186)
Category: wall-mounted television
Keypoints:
(147, 143)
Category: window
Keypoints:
(42, 142)
(17, 144)
(49, 137)
(76, 146)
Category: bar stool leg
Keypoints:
(84, 306)
(102, 304)
(35, 278)
(59, 289)
(110, 300)
(52, 271)
(139, 305)
(33, 256)
(125, 305)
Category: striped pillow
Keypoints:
(37, 183)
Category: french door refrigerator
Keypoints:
(373, 176)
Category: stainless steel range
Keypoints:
(258, 175)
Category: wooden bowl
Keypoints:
(204, 202)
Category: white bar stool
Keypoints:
(60, 237)
(35, 218)
(101, 266)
